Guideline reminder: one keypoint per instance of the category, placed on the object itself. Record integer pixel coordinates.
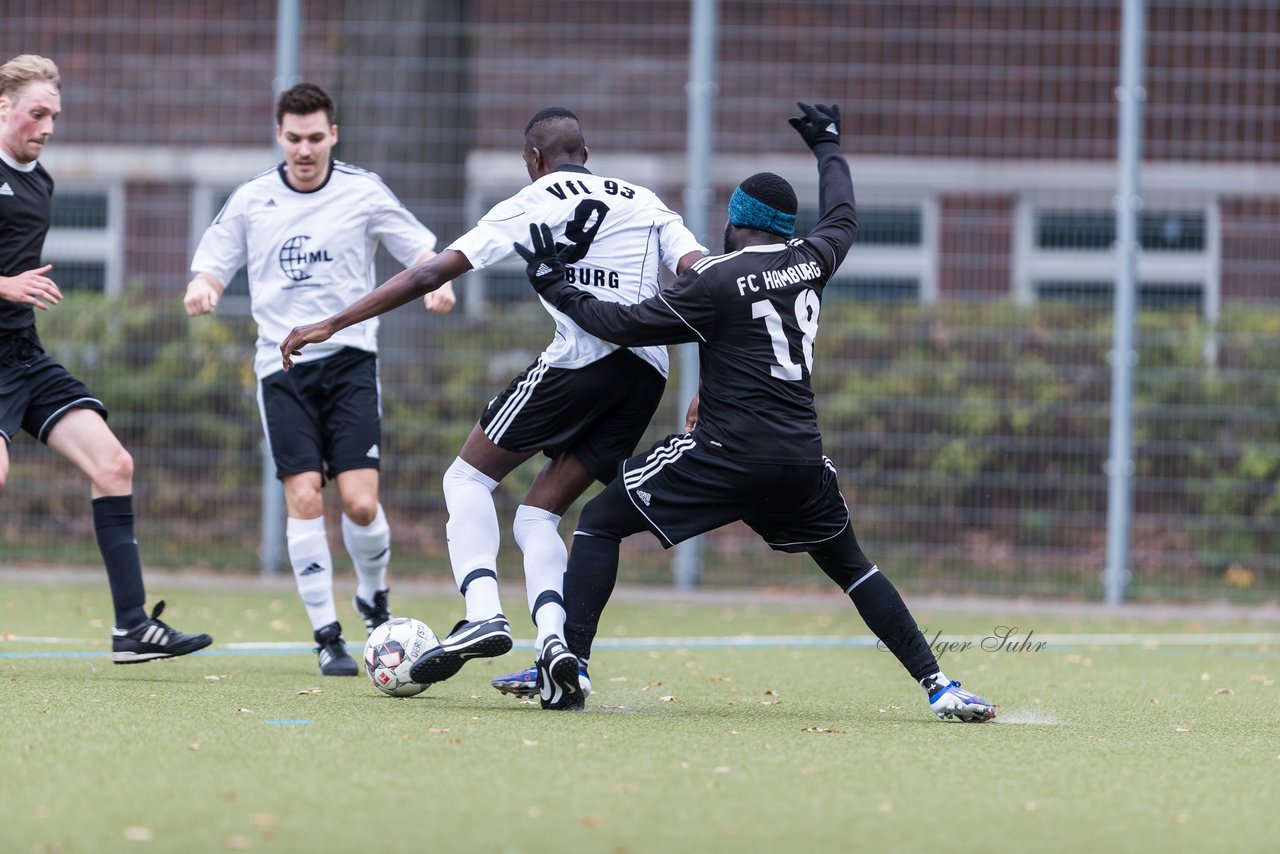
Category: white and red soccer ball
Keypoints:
(390, 652)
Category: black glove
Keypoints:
(546, 259)
(820, 123)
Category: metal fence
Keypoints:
(963, 366)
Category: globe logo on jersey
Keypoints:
(294, 259)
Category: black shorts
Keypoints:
(36, 391)
(598, 413)
(324, 416)
(682, 490)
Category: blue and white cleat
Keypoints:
(523, 684)
(952, 701)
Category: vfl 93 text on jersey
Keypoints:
(619, 235)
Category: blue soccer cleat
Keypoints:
(523, 684)
(951, 701)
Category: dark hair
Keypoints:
(303, 100)
(549, 113)
(773, 190)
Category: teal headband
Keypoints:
(746, 211)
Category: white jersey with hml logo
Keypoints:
(619, 233)
(309, 254)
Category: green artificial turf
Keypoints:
(684, 747)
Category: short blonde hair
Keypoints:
(27, 68)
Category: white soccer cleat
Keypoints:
(952, 701)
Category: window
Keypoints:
(86, 239)
(894, 258)
(1166, 296)
(1065, 253)
(1173, 231)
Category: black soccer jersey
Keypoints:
(26, 194)
(754, 314)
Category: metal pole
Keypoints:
(1124, 356)
(686, 563)
(271, 549)
(288, 45)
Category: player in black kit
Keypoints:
(37, 394)
(755, 451)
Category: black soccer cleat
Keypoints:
(559, 686)
(332, 650)
(373, 615)
(478, 639)
(153, 640)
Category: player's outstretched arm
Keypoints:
(442, 299)
(837, 225)
(650, 321)
(394, 292)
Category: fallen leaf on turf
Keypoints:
(666, 698)
(651, 685)
(1227, 691)
(722, 769)
(618, 679)
(1153, 701)
(238, 843)
(1031, 806)
(264, 819)
(1182, 729)
(280, 625)
(821, 729)
(718, 679)
(528, 743)
(769, 692)
(242, 710)
(885, 807)
(808, 772)
(138, 834)
(310, 691)
(9, 636)
(217, 678)
(195, 745)
(437, 729)
(770, 702)
(592, 821)
(1205, 677)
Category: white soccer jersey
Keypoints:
(619, 233)
(309, 254)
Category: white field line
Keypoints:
(994, 642)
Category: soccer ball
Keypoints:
(392, 649)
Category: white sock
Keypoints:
(938, 678)
(312, 568)
(370, 550)
(474, 537)
(545, 558)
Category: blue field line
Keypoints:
(1051, 643)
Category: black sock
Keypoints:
(882, 608)
(588, 584)
(113, 523)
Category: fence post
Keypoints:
(1124, 356)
